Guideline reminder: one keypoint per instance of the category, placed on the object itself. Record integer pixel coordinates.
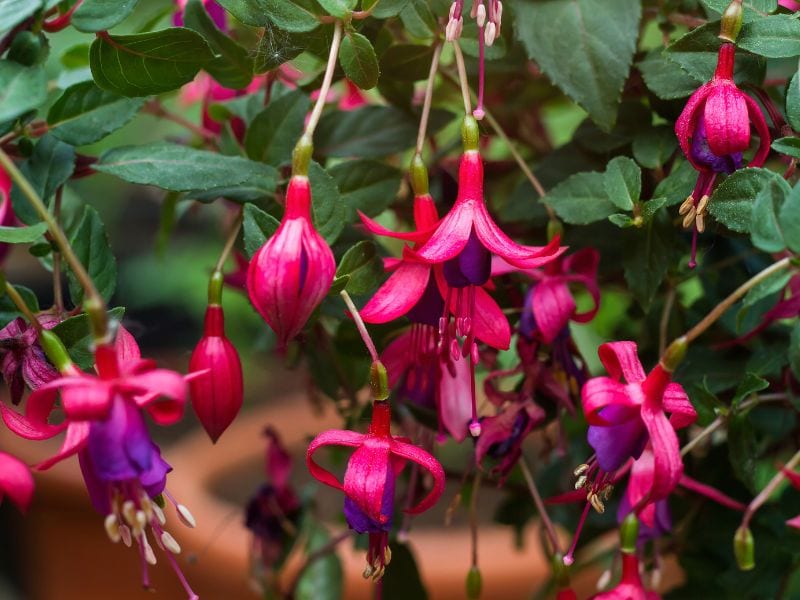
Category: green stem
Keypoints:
(94, 304)
(362, 329)
(23, 308)
(234, 233)
(462, 78)
(764, 495)
(537, 500)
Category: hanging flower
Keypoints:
(16, 481)
(630, 586)
(291, 274)
(369, 480)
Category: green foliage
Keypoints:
(21, 89)
(273, 132)
(90, 243)
(358, 60)
(359, 271)
(50, 165)
(257, 227)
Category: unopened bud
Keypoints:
(560, 569)
(480, 15)
(378, 381)
(475, 429)
(744, 549)
(490, 33)
(731, 22)
(474, 583)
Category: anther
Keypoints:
(169, 543)
(700, 222)
(387, 555)
(367, 572)
(580, 482)
(688, 220)
(186, 516)
(129, 512)
(580, 469)
(112, 528)
(480, 15)
(686, 206)
(149, 555)
(701, 206)
(160, 516)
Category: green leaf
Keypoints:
(418, 20)
(370, 132)
(338, 8)
(653, 147)
(621, 220)
(771, 285)
(233, 65)
(22, 235)
(322, 580)
(793, 102)
(75, 333)
(366, 185)
(585, 47)
(794, 350)
(765, 230)
(789, 219)
(179, 168)
(680, 182)
(90, 243)
(358, 60)
(148, 63)
(292, 15)
(14, 12)
(84, 113)
(790, 146)
(328, 211)
(776, 36)
(274, 131)
(753, 9)
(362, 268)
(647, 259)
(665, 78)
(697, 53)
(385, 8)
(276, 47)
(257, 186)
(402, 581)
(651, 207)
(581, 199)
(101, 15)
(48, 168)
(257, 227)
(623, 182)
(407, 62)
(249, 12)
(742, 450)
(732, 202)
(21, 89)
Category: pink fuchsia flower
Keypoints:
(16, 481)
(7, 216)
(122, 467)
(217, 395)
(214, 10)
(790, 4)
(22, 359)
(291, 273)
(630, 586)
(369, 480)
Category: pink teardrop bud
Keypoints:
(217, 394)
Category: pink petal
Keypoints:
(795, 522)
(583, 262)
(640, 483)
(794, 478)
(760, 123)
(16, 481)
(489, 323)
(86, 398)
(687, 121)
(710, 493)
(376, 228)
(398, 294)
(451, 235)
(332, 437)
(552, 305)
(726, 119)
(455, 409)
(599, 392)
(676, 402)
(33, 425)
(162, 393)
(622, 361)
(366, 475)
(126, 347)
(77, 435)
(426, 461)
(666, 450)
(397, 357)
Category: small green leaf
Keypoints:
(385, 8)
(101, 15)
(329, 212)
(367, 185)
(621, 220)
(790, 146)
(338, 8)
(233, 65)
(293, 15)
(732, 202)
(249, 12)
(584, 47)
(273, 132)
(14, 12)
(90, 243)
(665, 78)
(653, 147)
(362, 267)
(771, 285)
(76, 335)
(418, 20)
(793, 102)
(407, 62)
(148, 63)
(22, 235)
(776, 36)
(765, 229)
(358, 60)
(581, 199)
(179, 168)
(85, 113)
(623, 182)
(21, 89)
(322, 580)
(257, 227)
(789, 219)
(651, 207)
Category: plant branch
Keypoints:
(23, 308)
(473, 516)
(311, 125)
(426, 104)
(157, 109)
(362, 329)
(234, 233)
(537, 500)
(764, 494)
(462, 78)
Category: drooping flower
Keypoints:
(122, 467)
(22, 359)
(216, 396)
(292, 272)
(714, 129)
(630, 586)
(369, 480)
(16, 481)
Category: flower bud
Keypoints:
(419, 176)
(217, 394)
(629, 534)
(744, 549)
(378, 381)
(474, 583)
(470, 134)
(731, 22)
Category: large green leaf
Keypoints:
(14, 12)
(338, 8)
(581, 199)
(48, 168)
(249, 12)
(101, 15)
(385, 8)
(585, 47)
(753, 9)
(76, 335)
(418, 20)
(21, 89)
(789, 219)
(665, 78)
(328, 210)
(358, 60)
(274, 131)
(148, 63)
(178, 168)
(85, 113)
(776, 36)
(789, 146)
(360, 269)
(293, 15)
(90, 243)
(257, 227)
(765, 229)
(793, 102)
(233, 65)
(732, 202)
(367, 185)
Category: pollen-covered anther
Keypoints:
(141, 521)
(170, 543)
(689, 218)
(686, 206)
(596, 503)
(580, 482)
(367, 571)
(159, 513)
(378, 574)
(580, 469)
(125, 533)
(387, 555)
(112, 528)
(490, 33)
(149, 555)
(480, 15)
(129, 512)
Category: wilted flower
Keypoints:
(22, 359)
(291, 274)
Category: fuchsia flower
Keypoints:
(630, 586)
(16, 481)
(793, 5)
(292, 272)
(22, 359)
(713, 130)
(369, 481)
(7, 216)
(215, 11)
(122, 467)
(216, 396)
